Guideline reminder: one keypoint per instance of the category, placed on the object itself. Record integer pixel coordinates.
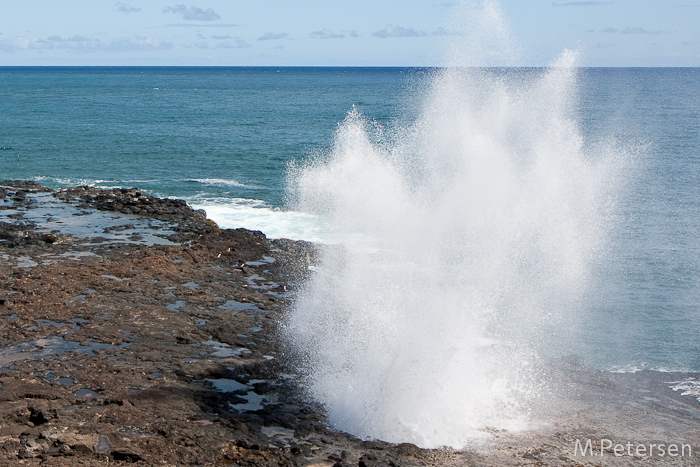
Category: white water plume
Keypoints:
(465, 243)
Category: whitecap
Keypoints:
(257, 215)
(223, 182)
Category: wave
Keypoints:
(223, 182)
(99, 183)
(688, 387)
(255, 214)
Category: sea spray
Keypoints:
(464, 243)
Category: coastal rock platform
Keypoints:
(137, 332)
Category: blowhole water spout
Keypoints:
(465, 242)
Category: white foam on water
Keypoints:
(257, 215)
(223, 182)
(689, 387)
(465, 242)
(99, 183)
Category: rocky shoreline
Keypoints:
(137, 332)
(120, 349)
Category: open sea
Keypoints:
(224, 138)
(216, 137)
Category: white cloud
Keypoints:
(137, 44)
(639, 30)
(271, 36)
(193, 13)
(445, 32)
(82, 44)
(20, 43)
(602, 45)
(635, 30)
(326, 34)
(237, 43)
(199, 25)
(582, 3)
(398, 31)
(124, 8)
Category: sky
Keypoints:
(347, 32)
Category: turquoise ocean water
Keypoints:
(222, 139)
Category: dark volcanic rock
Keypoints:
(26, 185)
(18, 234)
(294, 258)
(128, 354)
(132, 201)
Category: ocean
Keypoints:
(201, 134)
(217, 137)
(613, 209)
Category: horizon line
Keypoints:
(340, 66)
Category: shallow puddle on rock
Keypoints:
(136, 433)
(85, 392)
(240, 306)
(261, 262)
(77, 322)
(103, 445)
(253, 400)
(48, 348)
(66, 218)
(176, 306)
(115, 278)
(26, 262)
(77, 255)
(224, 350)
(253, 279)
(267, 287)
(50, 377)
(227, 385)
(277, 432)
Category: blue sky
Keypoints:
(343, 32)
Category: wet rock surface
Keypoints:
(132, 201)
(120, 351)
